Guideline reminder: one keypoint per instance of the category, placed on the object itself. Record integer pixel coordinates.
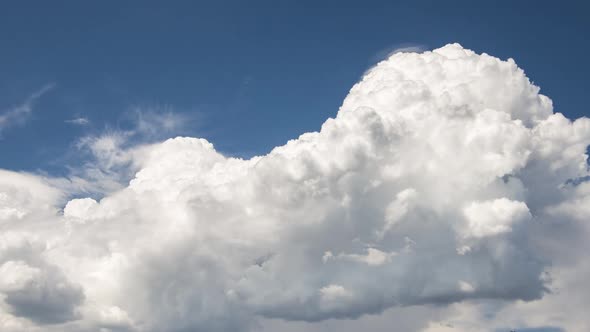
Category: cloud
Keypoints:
(154, 121)
(493, 217)
(39, 293)
(18, 115)
(105, 162)
(78, 121)
(445, 179)
(386, 53)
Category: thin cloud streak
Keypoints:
(18, 115)
(78, 121)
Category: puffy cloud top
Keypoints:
(424, 189)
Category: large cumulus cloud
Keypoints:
(433, 185)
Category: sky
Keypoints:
(249, 76)
(294, 166)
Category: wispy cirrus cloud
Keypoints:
(18, 115)
(80, 121)
(105, 161)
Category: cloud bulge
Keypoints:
(432, 185)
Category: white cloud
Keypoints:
(155, 120)
(399, 48)
(493, 217)
(111, 158)
(78, 121)
(444, 179)
(334, 292)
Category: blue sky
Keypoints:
(248, 75)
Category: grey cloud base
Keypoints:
(442, 180)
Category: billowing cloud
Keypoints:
(445, 178)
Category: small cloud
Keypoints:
(105, 161)
(334, 292)
(409, 48)
(373, 257)
(78, 121)
(155, 121)
(398, 48)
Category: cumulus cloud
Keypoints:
(493, 217)
(445, 178)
